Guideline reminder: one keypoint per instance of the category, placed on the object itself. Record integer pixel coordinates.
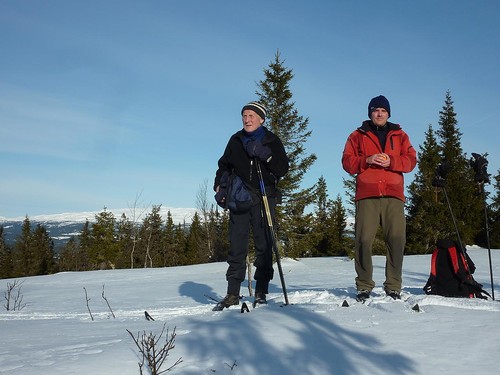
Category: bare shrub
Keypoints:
(13, 296)
(87, 300)
(107, 302)
(153, 355)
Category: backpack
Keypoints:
(451, 272)
(240, 198)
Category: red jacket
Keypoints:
(371, 180)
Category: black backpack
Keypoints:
(451, 272)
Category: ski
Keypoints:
(244, 306)
(220, 306)
(367, 301)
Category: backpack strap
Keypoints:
(463, 272)
(430, 286)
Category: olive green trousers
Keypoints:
(389, 214)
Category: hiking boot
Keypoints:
(260, 299)
(394, 294)
(362, 295)
(228, 300)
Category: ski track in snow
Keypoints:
(309, 299)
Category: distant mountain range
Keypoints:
(62, 227)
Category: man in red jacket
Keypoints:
(378, 153)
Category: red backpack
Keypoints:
(451, 273)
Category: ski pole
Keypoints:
(269, 220)
(481, 187)
(453, 219)
(480, 165)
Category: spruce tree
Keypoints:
(171, 255)
(221, 244)
(321, 232)
(350, 192)
(125, 237)
(460, 186)
(330, 220)
(179, 245)
(68, 258)
(5, 257)
(151, 238)
(84, 248)
(104, 246)
(425, 208)
(42, 249)
(23, 258)
(341, 243)
(284, 120)
(494, 214)
(196, 250)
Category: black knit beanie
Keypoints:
(379, 102)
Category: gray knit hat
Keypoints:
(257, 108)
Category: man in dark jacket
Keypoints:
(378, 153)
(250, 145)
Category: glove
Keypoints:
(258, 150)
(220, 197)
(480, 166)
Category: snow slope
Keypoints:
(55, 335)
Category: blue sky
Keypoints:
(102, 102)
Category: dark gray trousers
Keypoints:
(239, 231)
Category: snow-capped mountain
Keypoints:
(63, 226)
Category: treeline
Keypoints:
(109, 243)
(309, 223)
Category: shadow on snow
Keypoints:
(315, 344)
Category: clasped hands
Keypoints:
(382, 160)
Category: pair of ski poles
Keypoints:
(270, 225)
(481, 186)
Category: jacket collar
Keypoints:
(365, 126)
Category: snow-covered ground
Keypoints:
(55, 335)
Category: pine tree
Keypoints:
(285, 121)
(460, 186)
(426, 210)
